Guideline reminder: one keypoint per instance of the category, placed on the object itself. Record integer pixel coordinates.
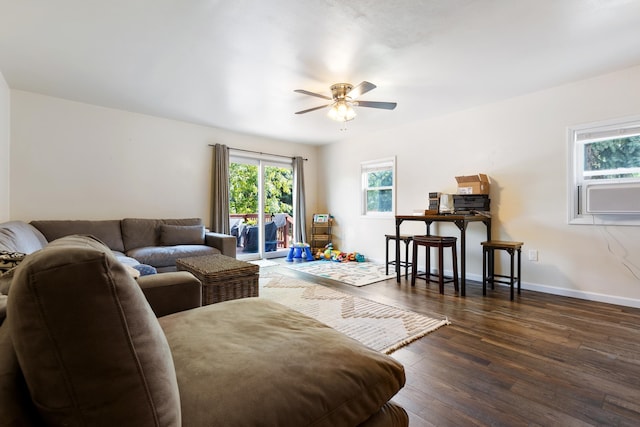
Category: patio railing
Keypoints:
(284, 233)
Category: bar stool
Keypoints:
(439, 242)
(406, 264)
(488, 251)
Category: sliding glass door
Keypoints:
(261, 205)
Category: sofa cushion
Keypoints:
(89, 345)
(261, 363)
(106, 230)
(171, 235)
(3, 308)
(126, 260)
(166, 256)
(142, 232)
(16, 407)
(18, 236)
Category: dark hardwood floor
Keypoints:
(540, 360)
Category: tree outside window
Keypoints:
(614, 158)
(378, 187)
(604, 157)
(243, 189)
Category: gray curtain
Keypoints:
(300, 212)
(220, 189)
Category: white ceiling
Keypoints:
(234, 64)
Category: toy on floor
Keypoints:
(295, 252)
(331, 254)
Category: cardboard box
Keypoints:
(473, 184)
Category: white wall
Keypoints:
(4, 149)
(72, 160)
(522, 145)
(77, 161)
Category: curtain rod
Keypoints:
(260, 152)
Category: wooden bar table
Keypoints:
(461, 221)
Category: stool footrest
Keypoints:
(434, 278)
(401, 263)
(505, 279)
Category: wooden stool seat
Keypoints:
(439, 242)
(488, 272)
(406, 264)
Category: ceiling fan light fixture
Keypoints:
(342, 111)
(344, 96)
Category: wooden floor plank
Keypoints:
(541, 359)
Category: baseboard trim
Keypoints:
(572, 293)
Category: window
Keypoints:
(378, 187)
(604, 169)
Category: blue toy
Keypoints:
(296, 252)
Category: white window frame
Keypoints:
(388, 163)
(577, 136)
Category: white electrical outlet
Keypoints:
(533, 255)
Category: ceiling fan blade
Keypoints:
(362, 88)
(312, 109)
(306, 92)
(374, 104)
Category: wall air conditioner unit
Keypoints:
(619, 198)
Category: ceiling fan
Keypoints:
(343, 98)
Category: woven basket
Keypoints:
(223, 278)
(229, 289)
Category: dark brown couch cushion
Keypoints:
(143, 232)
(162, 257)
(90, 348)
(107, 231)
(260, 363)
(171, 235)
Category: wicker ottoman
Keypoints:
(223, 278)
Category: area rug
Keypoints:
(351, 273)
(264, 263)
(378, 326)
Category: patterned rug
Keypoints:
(378, 326)
(264, 263)
(351, 273)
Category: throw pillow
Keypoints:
(145, 269)
(172, 235)
(9, 260)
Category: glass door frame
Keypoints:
(262, 161)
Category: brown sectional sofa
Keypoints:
(82, 346)
(155, 242)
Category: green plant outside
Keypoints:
(243, 189)
(379, 194)
(619, 153)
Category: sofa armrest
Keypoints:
(171, 292)
(225, 243)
